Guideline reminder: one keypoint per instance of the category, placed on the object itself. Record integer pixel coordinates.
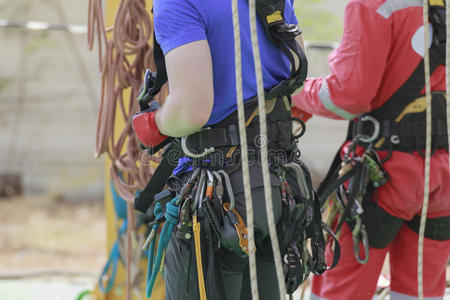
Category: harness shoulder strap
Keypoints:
(271, 14)
(153, 82)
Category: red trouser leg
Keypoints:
(349, 280)
(403, 261)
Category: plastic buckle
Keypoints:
(234, 136)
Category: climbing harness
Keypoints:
(207, 213)
(401, 124)
(428, 144)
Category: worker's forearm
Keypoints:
(177, 121)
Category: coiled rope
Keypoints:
(264, 151)
(124, 54)
(244, 150)
(427, 151)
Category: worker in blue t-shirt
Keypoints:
(198, 43)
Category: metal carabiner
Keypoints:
(301, 178)
(376, 130)
(188, 152)
(360, 237)
(229, 188)
(199, 193)
(187, 187)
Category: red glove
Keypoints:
(300, 114)
(144, 124)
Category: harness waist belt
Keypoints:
(228, 136)
(402, 127)
(435, 228)
(407, 137)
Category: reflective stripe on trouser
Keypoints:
(400, 296)
(314, 297)
(350, 280)
(393, 296)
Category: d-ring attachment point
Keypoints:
(188, 152)
(376, 129)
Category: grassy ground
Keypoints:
(46, 234)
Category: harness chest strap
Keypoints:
(402, 116)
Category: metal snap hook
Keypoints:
(376, 130)
(187, 152)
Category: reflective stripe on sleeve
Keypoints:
(324, 96)
(391, 6)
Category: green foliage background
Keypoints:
(317, 23)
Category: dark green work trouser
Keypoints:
(180, 265)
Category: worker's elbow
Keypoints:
(199, 112)
(195, 117)
(195, 121)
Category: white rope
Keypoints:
(447, 71)
(264, 151)
(427, 151)
(244, 151)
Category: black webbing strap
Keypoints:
(357, 172)
(435, 228)
(156, 81)
(331, 181)
(228, 136)
(319, 243)
(161, 73)
(330, 188)
(145, 200)
(337, 247)
(271, 14)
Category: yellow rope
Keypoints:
(427, 151)
(264, 152)
(198, 257)
(244, 150)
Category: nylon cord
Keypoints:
(264, 151)
(427, 151)
(244, 150)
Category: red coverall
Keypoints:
(381, 46)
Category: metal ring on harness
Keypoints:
(187, 152)
(302, 124)
(376, 130)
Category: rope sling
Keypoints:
(264, 152)
(427, 151)
(244, 152)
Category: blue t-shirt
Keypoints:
(179, 22)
